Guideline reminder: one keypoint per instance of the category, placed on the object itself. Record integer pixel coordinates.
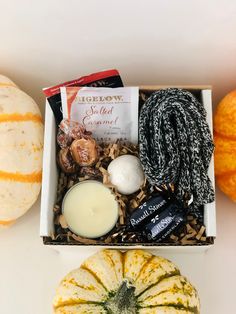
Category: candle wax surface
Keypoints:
(90, 209)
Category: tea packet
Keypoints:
(111, 114)
(107, 78)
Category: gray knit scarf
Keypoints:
(176, 145)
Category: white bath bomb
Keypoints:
(126, 173)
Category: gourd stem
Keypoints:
(123, 301)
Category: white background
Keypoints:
(151, 42)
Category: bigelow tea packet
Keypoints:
(107, 78)
(111, 114)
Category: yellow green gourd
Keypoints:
(113, 282)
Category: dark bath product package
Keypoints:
(107, 78)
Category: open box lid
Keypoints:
(50, 172)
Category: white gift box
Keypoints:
(50, 177)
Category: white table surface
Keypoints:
(30, 272)
(151, 42)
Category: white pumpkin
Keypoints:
(21, 146)
(126, 283)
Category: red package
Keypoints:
(108, 78)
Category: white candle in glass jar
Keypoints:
(90, 209)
